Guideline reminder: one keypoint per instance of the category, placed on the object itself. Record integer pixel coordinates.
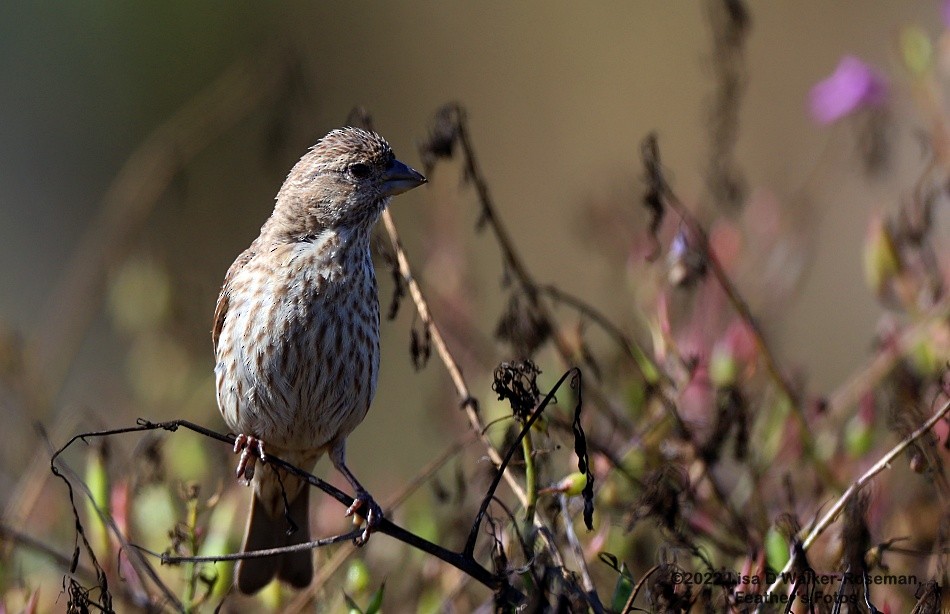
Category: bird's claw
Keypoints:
(251, 448)
(365, 509)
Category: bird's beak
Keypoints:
(399, 178)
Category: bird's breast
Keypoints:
(303, 370)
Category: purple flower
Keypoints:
(853, 85)
(945, 13)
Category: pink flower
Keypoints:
(852, 86)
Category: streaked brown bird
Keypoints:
(296, 339)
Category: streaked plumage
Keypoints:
(296, 332)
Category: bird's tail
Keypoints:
(267, 527)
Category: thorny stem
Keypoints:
(855, 487)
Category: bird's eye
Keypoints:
(359, 170)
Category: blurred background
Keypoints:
(122, 203)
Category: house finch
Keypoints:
(296, 339)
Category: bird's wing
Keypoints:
(224, 297)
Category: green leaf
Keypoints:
(376, 603)
(622, 589)
(353, 608)
(776, 549)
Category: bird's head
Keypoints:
(344, 181)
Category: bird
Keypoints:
(296, 341)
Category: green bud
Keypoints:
(882, 263)
(916, 50)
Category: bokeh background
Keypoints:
(559, 96)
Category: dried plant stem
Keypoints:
(745, 313)
(137, 560)
(168, 559)
(461, 387)
(462, 561)
(628, 607)
(468, 402)
(515, 265)
(855, 487)
(191, 567)
(530, 478)
(329, 567)
(651, 371)
(590, 590)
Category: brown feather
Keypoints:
(296, 334)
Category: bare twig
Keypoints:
(469, 404)
(168, 559)
(648, 366)
(329, 567)
(459, 560)
(473, 534)
(628, 607)
(516, 267)
(659, 185)
(141, 566)
(855, 487)
(24, 540)
(589, 589)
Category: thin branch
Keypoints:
(461, 561)
(628, 607)
(469, 404)
(168, 559)
(631, 348)
(515, 265)
(473, 534)
(25, 540)
(735, 299)
(509, 253)
(658, 182)
(141, 566)
(590, 590)
(855, 487)
(329, 567)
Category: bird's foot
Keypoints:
(251, 448)
(365, 509)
